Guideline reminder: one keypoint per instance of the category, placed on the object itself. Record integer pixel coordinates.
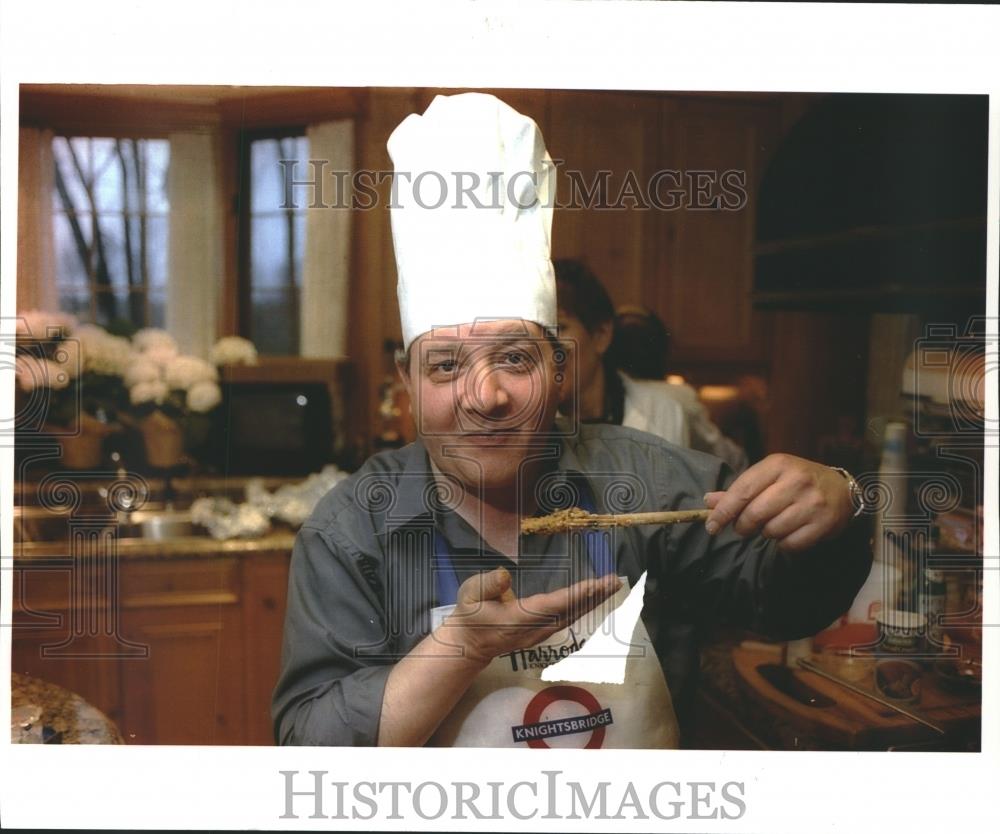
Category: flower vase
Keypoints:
(84, 450)
(164, 440)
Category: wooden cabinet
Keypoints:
(188, 689)
(606, 146)
(177, 651)
(265, 584)
(47, 643)
(662, 208)
(705, 269)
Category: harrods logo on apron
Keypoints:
(509, 705)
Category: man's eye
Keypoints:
(517, 359)
(447, 366)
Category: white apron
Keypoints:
(509, 705)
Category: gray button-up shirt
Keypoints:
(362, 581)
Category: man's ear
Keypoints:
(402, 368)
(561, 370)
(601, 336)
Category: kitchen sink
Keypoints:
(35, 524)
(157, 526)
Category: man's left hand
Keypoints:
(795, 502)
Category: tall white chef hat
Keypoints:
(471, 215)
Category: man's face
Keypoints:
(482, 395)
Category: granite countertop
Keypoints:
(66, 713)
(189, 484)
(180, 547)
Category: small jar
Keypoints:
(901, 631)
(933, 594)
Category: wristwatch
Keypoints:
(857, 496)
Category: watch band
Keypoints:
(857, 496)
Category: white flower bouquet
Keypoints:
(80, 372)
(172, 395)
(158, 376)
(70, 369)
(234, 350)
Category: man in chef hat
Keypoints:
(471, 225)
(365, 658)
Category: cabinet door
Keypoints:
(54, 641)
(189, 689)
(705, 269)
(265, 583)
(606, 145)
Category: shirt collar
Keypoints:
(414, 485)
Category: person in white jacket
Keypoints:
(639, 350)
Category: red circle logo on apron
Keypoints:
(534, 730)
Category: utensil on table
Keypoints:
(812, 667)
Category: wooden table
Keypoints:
(858, 723)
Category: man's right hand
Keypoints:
(489, 620)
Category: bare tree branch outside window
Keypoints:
(110, 229)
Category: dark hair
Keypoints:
(580, 293)
(640, 344)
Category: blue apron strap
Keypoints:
(445, 577)
(597, 542)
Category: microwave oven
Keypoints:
(282, 417)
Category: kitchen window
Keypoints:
(110, 216)
(273, 240)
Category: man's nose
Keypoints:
(484, 393)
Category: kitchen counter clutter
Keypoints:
(43, 713)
